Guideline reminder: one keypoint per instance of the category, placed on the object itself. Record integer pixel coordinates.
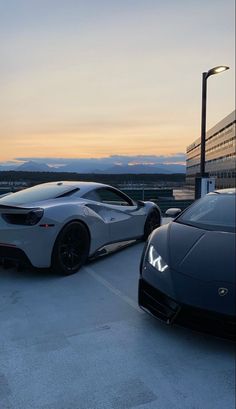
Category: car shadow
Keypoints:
(27, 272)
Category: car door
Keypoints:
(126, 219)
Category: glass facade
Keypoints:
(220, 154)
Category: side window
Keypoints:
(93, 195)
(110, 196)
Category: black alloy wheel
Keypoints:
(152, 222)
(71, 249)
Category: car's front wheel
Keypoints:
(71, 249)
(152, 222)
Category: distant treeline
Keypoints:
(111, 179)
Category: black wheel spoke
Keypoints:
(70, 250)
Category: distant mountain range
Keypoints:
(32, 166)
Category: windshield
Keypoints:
(212, 212)
(38, 193)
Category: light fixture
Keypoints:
(217, 70)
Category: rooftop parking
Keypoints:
(81, 342)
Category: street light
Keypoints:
(205, 75)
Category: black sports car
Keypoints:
(187, 272)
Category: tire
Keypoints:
(152, 222)
(71, 249)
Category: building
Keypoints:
(220, 154)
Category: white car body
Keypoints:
(106, 222)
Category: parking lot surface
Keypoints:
(81, 342)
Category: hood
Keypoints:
(202, 254)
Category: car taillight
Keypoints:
(34, 217)
(28, 219)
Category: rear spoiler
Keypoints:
(16, 210)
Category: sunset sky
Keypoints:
(95, 78)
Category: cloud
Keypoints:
(103, 162)
(110, 159)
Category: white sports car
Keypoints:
(61, 224)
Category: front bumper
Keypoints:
(170, 311)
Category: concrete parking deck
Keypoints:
(81, 342)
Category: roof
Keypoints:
(83, 186)
(48, 191)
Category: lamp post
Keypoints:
(205, 75)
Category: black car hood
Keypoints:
(201, 254)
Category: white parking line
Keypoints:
(114, 290)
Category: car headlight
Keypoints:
(156, 260)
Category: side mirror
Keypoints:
(173, 212)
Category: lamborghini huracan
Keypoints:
(188, 267)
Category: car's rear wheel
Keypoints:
(71, 249)
(152, 222)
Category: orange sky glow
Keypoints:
(100, 80)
